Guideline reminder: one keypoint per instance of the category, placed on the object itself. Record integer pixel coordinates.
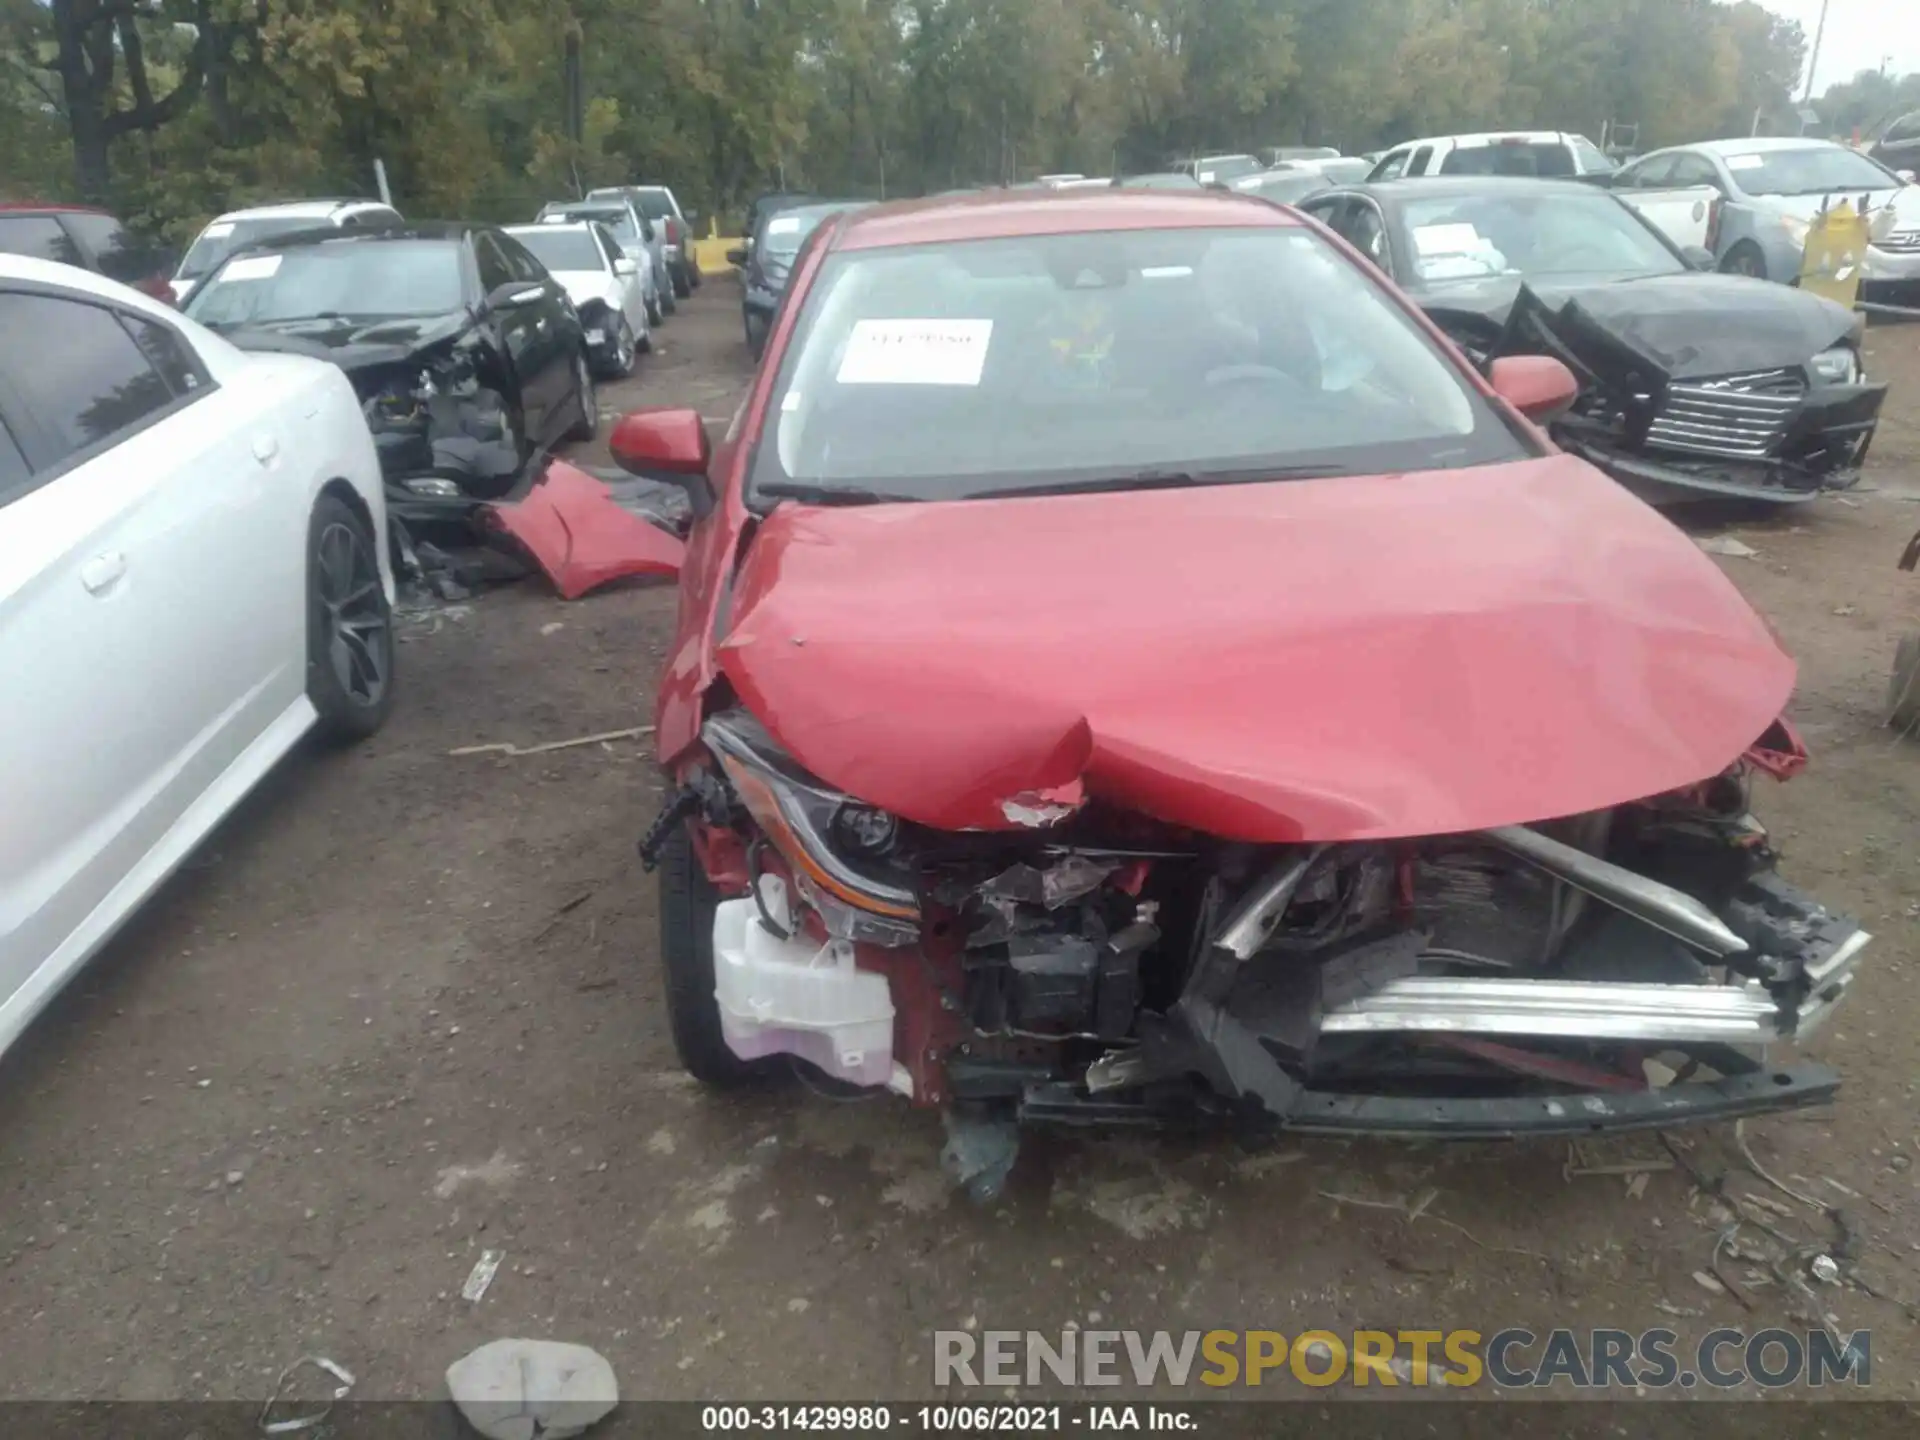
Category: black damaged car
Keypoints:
(1693, 385)
(468, 356)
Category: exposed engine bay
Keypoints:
(441, 434)
(1621, 968)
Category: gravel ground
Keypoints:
(405, 1008)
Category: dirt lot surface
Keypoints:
(406, 1008)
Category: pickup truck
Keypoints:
(1769, 192)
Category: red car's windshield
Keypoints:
(943, 371)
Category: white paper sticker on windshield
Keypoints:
(1165, 272)
(1746, 162)
(916, 352)
(252, 267)
(1447, 239)
(218, 231)
(783, 225)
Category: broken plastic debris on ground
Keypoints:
(522, 1389)
(582, 536)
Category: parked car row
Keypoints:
(200, 482)
(1749, 202)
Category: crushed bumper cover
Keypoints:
(1820, 443)
(1757, 1090)
(1261, 1035)
(1826, 443)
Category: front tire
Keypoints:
(588, 425)
(687, 904)
(756, 337)
(1903, 694)
(349, 625)
(1745, 259)
(682, 287)
(620, 362)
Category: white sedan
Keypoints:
(603, 283)
(193, 575)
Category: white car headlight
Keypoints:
(1838, 366)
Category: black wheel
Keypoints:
(588, 425)
(681, 287)
(646, 340)
(654, 313)
(1745, 259)
(669, 305)
(349, 625)
(687, 904)
(1903, 694)
(620, 362)
(756, 336)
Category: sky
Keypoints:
(1860, 34)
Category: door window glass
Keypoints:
(494, 270)
(1654, 173)
(120, 256)
(1694, 170)
(39, 237)
(521, 261)
(167, 353)
(84, 378)
(1393, 167)
(14, 470)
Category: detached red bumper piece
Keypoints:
(577, 533)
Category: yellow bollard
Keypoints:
(1836, 252)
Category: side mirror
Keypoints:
(513, 295)
(624, 266)
(1908, 177)
(1538, 386)
(1698, 257)
(669, 446)
(737, 257)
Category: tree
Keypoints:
(95, 43)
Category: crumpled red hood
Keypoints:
(1336, 659)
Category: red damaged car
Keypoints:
(1132, 669)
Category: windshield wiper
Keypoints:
(829, 494)
(1163, 480)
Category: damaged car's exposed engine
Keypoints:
(468, 356)
(1131, 672)
(1618, 969)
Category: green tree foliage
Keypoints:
(173, 109)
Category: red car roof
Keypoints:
(996, 214)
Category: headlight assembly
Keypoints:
(1838, 366)
(1796, 228)
(828, 838)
